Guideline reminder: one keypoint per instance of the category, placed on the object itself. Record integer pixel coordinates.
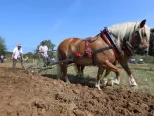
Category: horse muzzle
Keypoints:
(141, 50)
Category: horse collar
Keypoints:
(108, 39)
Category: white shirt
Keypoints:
(44, 49)
(17, 52)
(52, 60)
(2, 56)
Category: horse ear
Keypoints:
(142, 23)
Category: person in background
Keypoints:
(17, 55)
(2, 58)
(43, 51)
(53, 60)
(5, 59)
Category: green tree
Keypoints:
(29, 54)
(2, 45)
(50, 47)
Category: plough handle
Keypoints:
(62, 61)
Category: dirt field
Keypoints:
(24, 94)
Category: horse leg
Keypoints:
(80, 70)
(127, 69)
(99, 76)
(107, 72)
(112, 67)
(64, 72)
(116, 80)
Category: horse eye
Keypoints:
(144, 34)
(136, 33)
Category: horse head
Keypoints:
(136, 33)
(140, 38)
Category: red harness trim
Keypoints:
(87, 49)
(109, 43)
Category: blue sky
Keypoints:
(30, 21)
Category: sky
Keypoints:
(28, 22)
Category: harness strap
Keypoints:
(127, 51)
(109, 43)
(127, 48)
(91, 54)
(98, 51)
(88, 49)
(102, 49)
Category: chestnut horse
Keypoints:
(136, 33)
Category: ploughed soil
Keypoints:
(24, 94)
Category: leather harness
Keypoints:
(106, 36)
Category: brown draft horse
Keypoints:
(136, 33)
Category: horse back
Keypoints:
(68, 48)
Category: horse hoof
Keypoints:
(67, 81)
(103, 85)
(116, 82)
(110, 83)
(98, 87)
(135, 88)
(79, 75)
(104, 82)
(133, 84)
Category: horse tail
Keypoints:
(58, 66)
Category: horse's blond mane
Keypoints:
(125, 30)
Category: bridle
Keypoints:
(139, 35)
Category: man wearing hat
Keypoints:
(17, 55)
(43, 51)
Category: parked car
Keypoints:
(132, 61)
(141, 61)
